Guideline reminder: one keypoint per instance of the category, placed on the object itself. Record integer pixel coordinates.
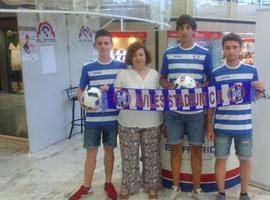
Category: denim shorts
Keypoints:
(242, 144)
(178, 124)
(92, 136)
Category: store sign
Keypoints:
(45, 33)
(248, 40)
(201, 35)
(129, 34)
(208, 178)
(85, 34)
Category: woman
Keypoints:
(139, 128)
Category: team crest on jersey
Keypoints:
(196, 56)
(122, 98)
(45, 33)
(236, 93)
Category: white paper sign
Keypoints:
(48, 62)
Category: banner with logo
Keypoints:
(45, 33)
(85, 35)
(179, 99)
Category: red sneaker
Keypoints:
(81, 193)
(110, 190)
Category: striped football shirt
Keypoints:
(194, 62)
(233, 119)
(96, 74)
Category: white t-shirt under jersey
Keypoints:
(131, 118)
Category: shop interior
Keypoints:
(12, 109)
(121, 41)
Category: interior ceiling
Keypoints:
(72, 4)
(111, 9)
(136, 8)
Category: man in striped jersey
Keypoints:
(101, 74)
(234, 121)
(190, 59)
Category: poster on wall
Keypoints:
(85, 35)
(45, 33)
(48, 61)
(28, 43)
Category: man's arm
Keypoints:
(79, 96)
(209, 126)
(208, 67)
(164, 82)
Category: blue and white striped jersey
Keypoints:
(194, 62)
(96, 74)
(233, 119)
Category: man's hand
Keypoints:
(164, 83)
(209, 126)
(88, 109)
(259, 87)
(210, 132)
(80, 99)
(104, 88)
(198, 84)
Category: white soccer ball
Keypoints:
(184, 82)
(92, 98)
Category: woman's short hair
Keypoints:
(132, 49)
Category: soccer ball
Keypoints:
(184, 82)
(92, 98)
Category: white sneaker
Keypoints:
(199, 195)
(175, 192)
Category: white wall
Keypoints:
(261, 113)
(48, 110)
(80, 52)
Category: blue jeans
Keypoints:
(178, 124)
(242, 144)
(92, 136)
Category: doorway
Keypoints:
(12, 100)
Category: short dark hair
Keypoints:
(186, 19)
(102, 33)
(132, 50)
(232, 37)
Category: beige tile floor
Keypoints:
(57, 171)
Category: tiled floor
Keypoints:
(57, 171)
